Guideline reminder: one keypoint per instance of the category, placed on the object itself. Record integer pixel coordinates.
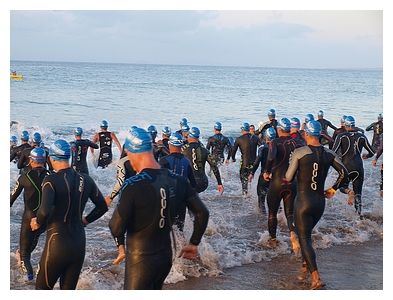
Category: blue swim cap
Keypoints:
(380, 117)
(271, 113)
(218, 126)
(320, 113)
(313, 128)
(308, 118)
(194, 132)
(284, 124)
(350, 121)
(24, 135)
(176, 140)
(270, 133)
(185, 128)
(183, 122)
(37, 138)
(245, 127)
(342, 120)
(166, 130)
(13, 139)
(138, 140)
(38, 155)
(104, 124)
(152, 129)
(60, 150)
(78, 131)
(295, 123)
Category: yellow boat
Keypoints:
(16, 76)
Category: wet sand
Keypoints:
(346, 267)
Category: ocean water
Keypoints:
(54, 98)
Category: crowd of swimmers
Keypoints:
(157, 181)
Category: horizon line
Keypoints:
(200, 65)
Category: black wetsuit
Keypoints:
(377, 128)
(198, 155)
(263, 185)
(349, 146)
(162, 148)
(146, 210)
(377, 155)
(16, 152)
(277, 164)
(105, 156)
(30, 182)
(247, 145)
(218, 143)
(79, 150)
(298, 139)
(64, 197)
(12, 147)
(271, 123)
(312, 164)
(179, 165)
(325, 137)
(24, 160)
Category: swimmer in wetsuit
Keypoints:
(295, 133)
(342, 128)
(79, 149)
(153, 132)
(145, 213)
(272, 122)
(198, 155)
(13, 145)
(30, 183)
(374, 162)
(24, 159)
(349, 145)
(263, 185)
(275, 168)
(325, 137)
(377, 128)
(162, 145)
(218, 144)
(247, 147)
(64, 197)
(311, 163)
(105, 138)
(179, 165)
(17, 151)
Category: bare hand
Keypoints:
(121, 255)
(33, 224)
(267, 176)
(220, 188)
(374, 162)
(250, 177)
(351, 197)
(227, 161)
(108, 200)
(190, 252)
(329, 193)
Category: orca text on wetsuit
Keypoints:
(147, 203)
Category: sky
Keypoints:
(260, 38)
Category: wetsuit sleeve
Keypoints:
(257, 161)
(98, 199)
(22, 160)
(201, 215)
(368, 147)
(47, 201)
(379, 151)
(209, 144)
(121, 215)
(342, 179)
(337, 142)
(370, 127)
(214, 168)
(229, 148)
(13, 154)
(92, 145)
(18, 188)
(331, 125)
(271, 156)
(293, 165)
(234, 149)
(120, 177)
